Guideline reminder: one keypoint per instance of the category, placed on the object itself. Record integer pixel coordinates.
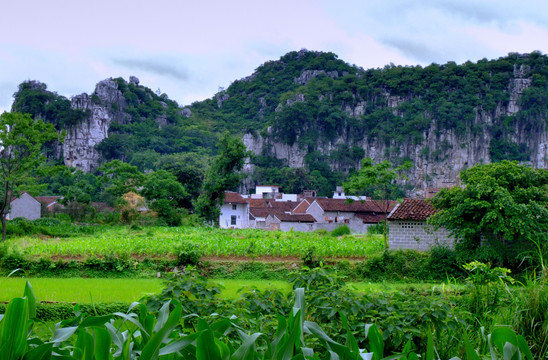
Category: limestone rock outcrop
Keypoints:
(105, 105)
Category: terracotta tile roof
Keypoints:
(371, 218)
(272, 204)
(412, 209)
(295, 217)
(302, 207)
(102, 207)
(233, 198)
(48, 200)
(260, 212)
(355, 206)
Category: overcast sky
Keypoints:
(188, 49)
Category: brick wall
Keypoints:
(417, 235)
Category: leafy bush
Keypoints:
(20, 226)
(310, 259)
(48, 311)
(13, 260)
(47, 221)
(487, 286)
(188, 254)
(340, 231)
(443, 262)
(376, 229)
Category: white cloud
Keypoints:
(189, 49)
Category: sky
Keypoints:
(191, 49)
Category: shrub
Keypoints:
(341, 230)
(187, 254)
(20, 227)
(377, 229)
(14, 260)
(47, 221)
(443, 262)
(310, 259)
(396, 265)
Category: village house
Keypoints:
(407, 227)
(234, 212)
(25, 206)
(357, 215)
(50, 204)
(270, 209)
(286, 222)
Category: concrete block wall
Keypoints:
(417, 235)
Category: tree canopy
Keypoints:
(21, 140)
(378, 181)
(500, 212)
(223, 174)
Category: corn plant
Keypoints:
(140, 334)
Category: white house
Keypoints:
(266, 192)
(24, 206)
(234, 212)
(357, 215)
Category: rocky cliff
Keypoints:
(310, 118)
(79, 147)
(440, 154)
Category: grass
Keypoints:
(159, 241)
(233, 288)
(81, 290)
(85, 291)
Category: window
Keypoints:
(233, 220)
(234, 206)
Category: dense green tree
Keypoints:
(162, 184)
(378, 181)
(21, 139)
(189, 169)
(503, 206)
(223, 174)
(119, 178)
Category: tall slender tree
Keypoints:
(223, 174)
(379, 181)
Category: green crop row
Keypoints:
(159, 241)
(165, 333)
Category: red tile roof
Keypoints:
(355, 206)
(295, 217)
(302, 207)
(233, 198)
(272, 204)
(371, 218)
(412, 209)
(260, 212)
(48, 200)
(102, 207)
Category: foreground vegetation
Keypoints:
(319, 320)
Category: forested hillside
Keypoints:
(310, 118)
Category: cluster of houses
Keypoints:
(32, 208)
(270, 209)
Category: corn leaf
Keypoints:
(152, 348)
(13, 330)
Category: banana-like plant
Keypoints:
(146, 336)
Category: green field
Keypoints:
(80, 290)
(85, 291)
(161, 241)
